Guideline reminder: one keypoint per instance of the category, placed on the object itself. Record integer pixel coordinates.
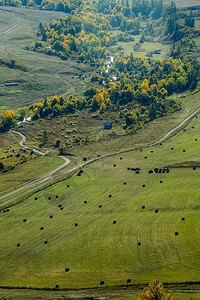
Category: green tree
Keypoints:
(44, 137)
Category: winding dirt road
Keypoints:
(38, 180)
(49, 176)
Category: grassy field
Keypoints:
(183, 3)
(46, 76)
(96, 249)
(144, 49)
(25, 173)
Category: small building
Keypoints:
(11, 84)
(107, 125)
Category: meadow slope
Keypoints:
(141, 245)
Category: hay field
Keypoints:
(148, 227)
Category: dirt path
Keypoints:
(197, 111)
(38, 180)
(23, 141)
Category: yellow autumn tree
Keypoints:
(155, 290)
(8, 118)
(145, 85)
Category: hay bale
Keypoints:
(161, 181)
(176, 233)
(194, 168)
(56, 196)
(109, 196)
(8, 210)
(143, 185)
(61, 208)
(195, 140)
(121, 158)
(150, 171)
(167, 170)
(160, 171)
(160, 144)
(56, 286)
(124, 183)
(100, 206)
(76, 224)
(184, 129)
(156, 211)
(145, 157)
(18, 244)
(137, 172)
(45, 242)
(68, 185)
(66, 269)
(85, 202)
(139, 243)
(143, 206)
(102, 282)
(151, 151)
(156, 170)
(114, 166)
(141, 150)
(35, 198)
(114, 222)
(41, 228)
(24, 220)
(192, 127)
(60, 205)
(128, 280)
(183, 219)
(172, 148)
(184, 150)
(128, 169)
(51, 217)
(49, 198)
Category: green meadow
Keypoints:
(155, 233)
(45, 76)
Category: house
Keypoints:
(107, 125)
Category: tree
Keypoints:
(1, 166)
(8, 118)
(142, 39)
(155, 291)
(44, 137)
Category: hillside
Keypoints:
(99, 148)
(121, 236)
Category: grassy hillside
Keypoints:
(45, 76)
(140, 245)
(183, 3)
